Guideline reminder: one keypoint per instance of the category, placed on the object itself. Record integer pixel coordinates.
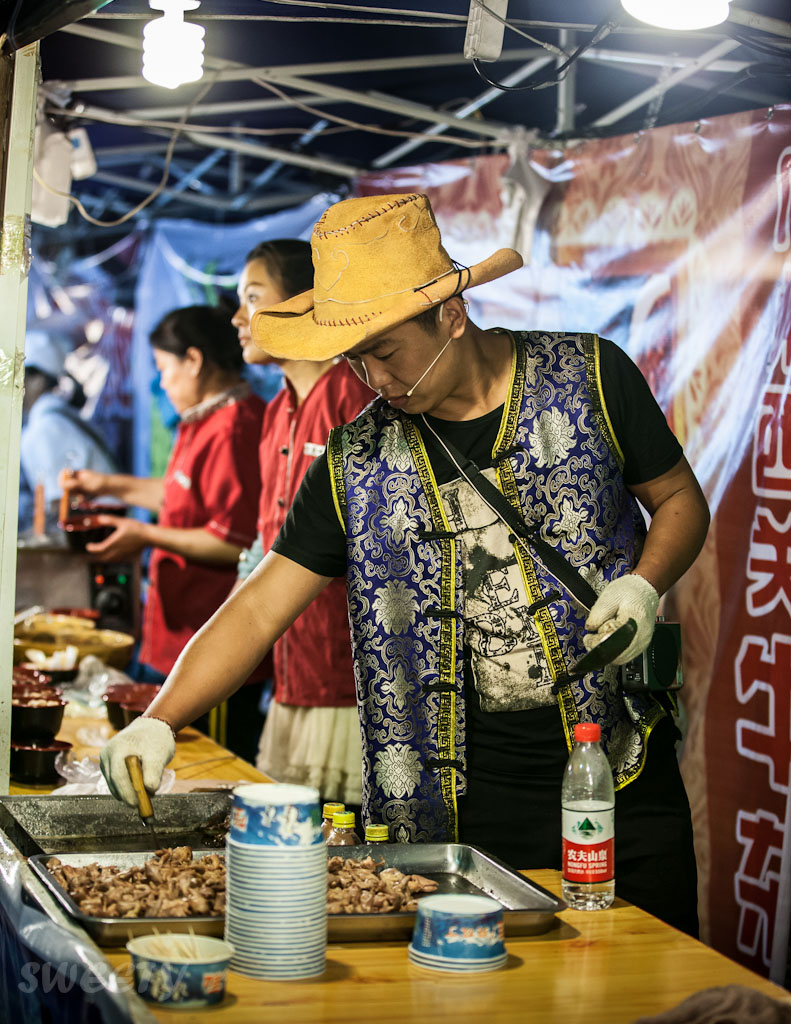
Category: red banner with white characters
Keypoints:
(676, 244)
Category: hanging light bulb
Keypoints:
(678, 14)
(172, 48)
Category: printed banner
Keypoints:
(676, 244)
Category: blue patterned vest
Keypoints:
(406, 589)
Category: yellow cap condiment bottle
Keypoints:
(377, 834)
(327, 812)
(343, 833)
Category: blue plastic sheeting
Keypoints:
(49, 973)
(188, 263)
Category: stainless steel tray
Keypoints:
(116, 931)
(458, 868)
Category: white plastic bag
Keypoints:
(85, 777)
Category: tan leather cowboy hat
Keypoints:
(377, 261)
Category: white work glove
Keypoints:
(152, 740)
(628, 597)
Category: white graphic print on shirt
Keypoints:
(509, 666)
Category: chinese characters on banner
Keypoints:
(676, 244)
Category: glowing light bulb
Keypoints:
(678, 14)
(172, 48)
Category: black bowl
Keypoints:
(29, 673)
(57, 675)
(35, 763)
(33, 721)
(127, 693)
(35, 690)
(81, 528)
(132, 710)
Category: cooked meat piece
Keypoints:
(153, 872)
(367, 886)
(419, 883)
(198, 904)
(170, 884)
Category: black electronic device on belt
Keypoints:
(658, 668)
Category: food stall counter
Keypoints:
(604, 967)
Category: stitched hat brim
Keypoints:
(289, 330)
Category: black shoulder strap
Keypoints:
(570, 577)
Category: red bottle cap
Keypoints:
(587, 732)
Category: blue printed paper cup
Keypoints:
(196, 979)
(459, 927)
(271, 814)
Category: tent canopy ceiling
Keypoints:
(300, 97)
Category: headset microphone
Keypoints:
(429, 367)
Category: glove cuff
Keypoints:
(650, 589)
(156, 718)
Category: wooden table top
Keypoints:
(197, 757)
(602, 967)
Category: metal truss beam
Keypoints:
(267, 202)
(660, 88)
(392, 155)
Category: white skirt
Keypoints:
(311, 746)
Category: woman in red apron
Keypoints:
(207, 502)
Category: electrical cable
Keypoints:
(157, 190)
(373, 10)
(604, 28)
(555, 50)
(11, 27)
(117, 118)
(755, 40)
(678, 114)
(375, 130)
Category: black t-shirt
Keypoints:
(511, 743)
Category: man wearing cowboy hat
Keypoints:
(464, 628)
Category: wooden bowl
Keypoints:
(50, 633)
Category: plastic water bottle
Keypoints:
(588, 800)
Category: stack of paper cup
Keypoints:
(276, 917)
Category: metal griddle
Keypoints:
(97, 824)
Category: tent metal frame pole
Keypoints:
(660, 88)
(228, 70)
(228, 142)
(390, 157)
(240, 107)
(394, 105)
(16, 181)
(313, 163)
(267, 202)
(564, 120)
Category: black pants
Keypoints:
(654, 857)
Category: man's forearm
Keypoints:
(675, 537)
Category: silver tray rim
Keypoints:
(114, 931)
(517, 921)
